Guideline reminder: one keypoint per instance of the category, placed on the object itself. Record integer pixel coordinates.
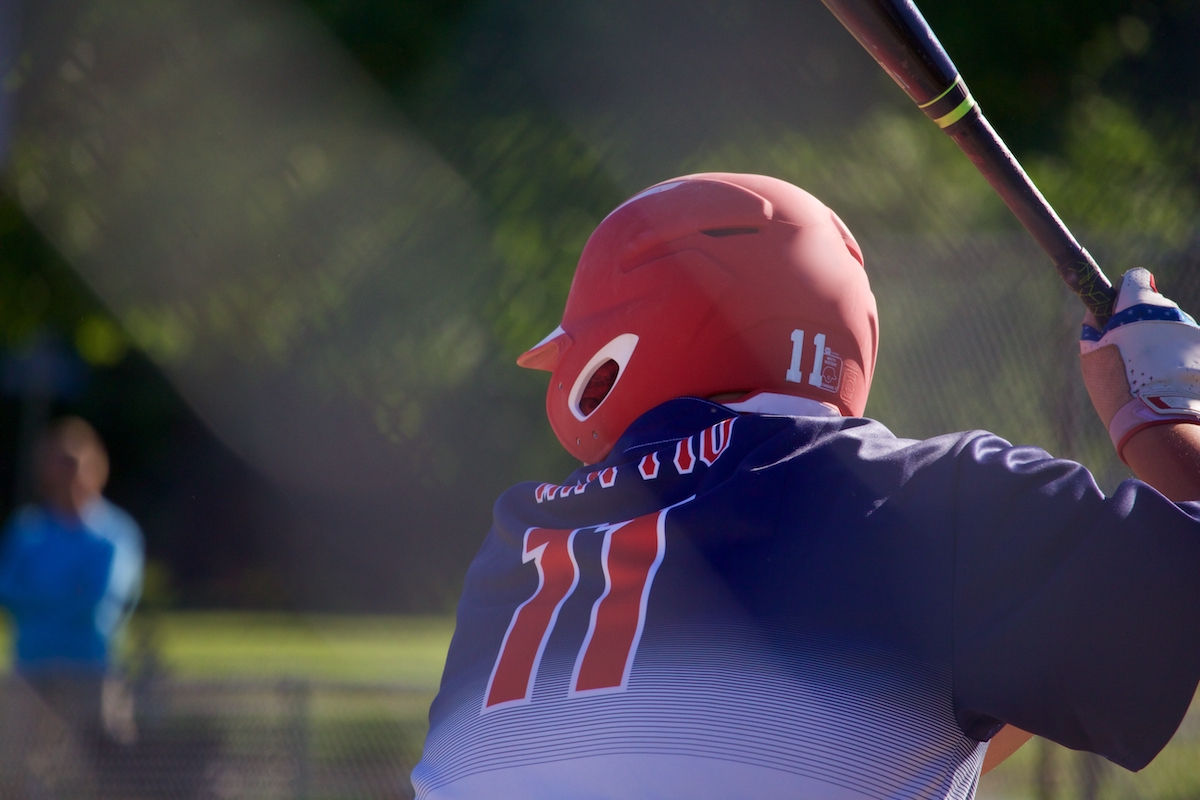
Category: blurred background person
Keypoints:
(70, 576)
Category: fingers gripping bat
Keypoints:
(895, 33)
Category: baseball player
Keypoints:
(750, 590)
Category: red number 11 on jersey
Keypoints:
(630, 557)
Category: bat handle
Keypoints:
(975, 136)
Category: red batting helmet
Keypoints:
(703, 285)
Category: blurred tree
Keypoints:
(1028, 61)
(406, 272)
(143, 420)
(39, 292)
(394, 41)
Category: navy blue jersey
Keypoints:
(771, 606)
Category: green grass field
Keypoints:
(1043, 770)
(403, 650)
(408, 652)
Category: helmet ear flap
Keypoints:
(598, 387)
(599, 376)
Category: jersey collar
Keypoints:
(670, 421)
(684, 416)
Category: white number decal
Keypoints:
(794, 375)
(814, 377)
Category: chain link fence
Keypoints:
(307, 740)
(167, 738)
(978, 332)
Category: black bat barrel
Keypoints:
(899, 38)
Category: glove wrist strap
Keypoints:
(1139, 414)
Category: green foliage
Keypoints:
(386, 249)
(894, 173)
(393, 40)
(1028, 61)
(39, 292)
(100, 341)
(544, 192)
(1116, 177)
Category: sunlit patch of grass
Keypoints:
(383, 649)
(403, 650)
(1044, 770)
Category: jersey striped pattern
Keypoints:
(824, 722)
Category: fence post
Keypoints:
(296, 695)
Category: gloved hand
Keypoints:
(1143, 367)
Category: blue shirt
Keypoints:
(772, 606)
(69, 584)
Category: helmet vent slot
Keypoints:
(717, 233)
(598, 386)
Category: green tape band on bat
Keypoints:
(948, 90)
(951, 105)
(957, 114)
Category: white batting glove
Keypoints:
(1143, 367)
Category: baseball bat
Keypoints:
(899, 38)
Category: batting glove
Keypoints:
(1143, 367)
